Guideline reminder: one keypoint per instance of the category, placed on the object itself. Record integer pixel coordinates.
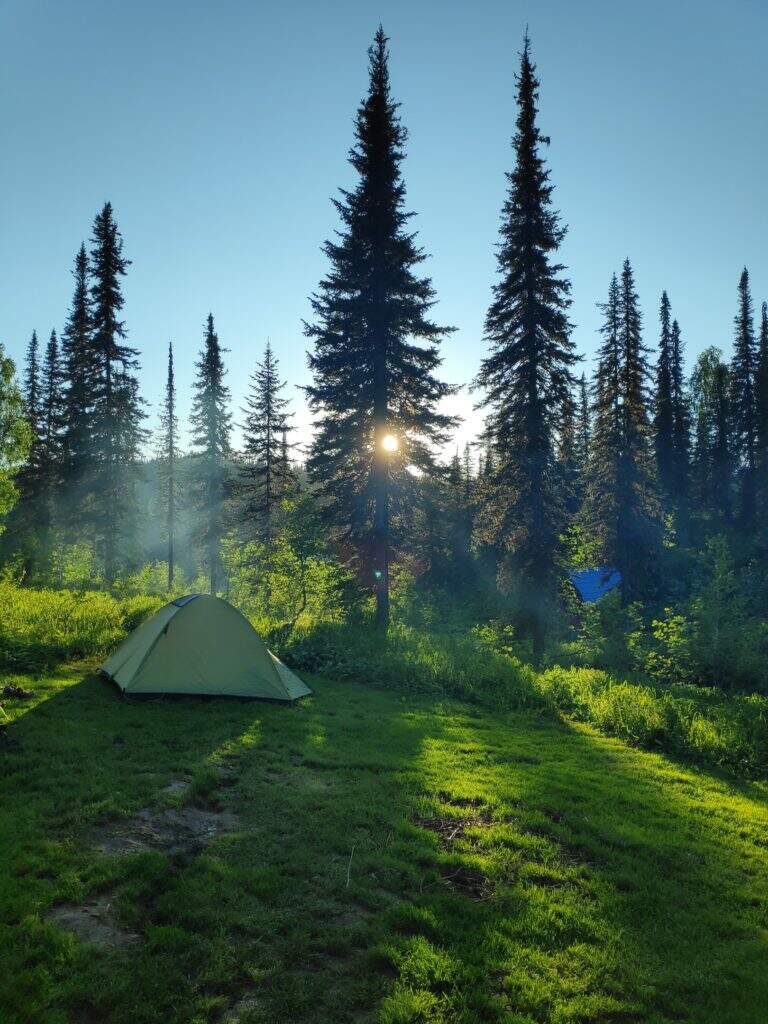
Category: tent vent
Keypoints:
(181, 601)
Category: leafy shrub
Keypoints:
(152, 580)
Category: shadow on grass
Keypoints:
(619, 886)
(579, 880)
(270, 906)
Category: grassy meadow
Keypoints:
(387, 856)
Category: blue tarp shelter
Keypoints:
(592, 584)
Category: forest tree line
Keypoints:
(645, 468)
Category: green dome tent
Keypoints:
(200, 645)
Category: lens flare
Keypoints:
(390, 443)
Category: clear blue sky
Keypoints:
(219, 131)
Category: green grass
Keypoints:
(397, 859)
(39, 628)
(702, 724)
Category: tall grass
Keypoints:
(40, 627)
(461, 665)
(702, 723)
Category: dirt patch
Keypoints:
(553, 814)
(515, 759)
(179, 833)
(450, 830)
(95, 922)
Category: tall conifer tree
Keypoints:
(50, 458)
(211, 429)
(638, 500)
(664, 415)
(568, 463)
(712, 454)
(117, 408)
(266, 468)
(375, 349)
(681, 439)
(167, 465)
(23, 528)
(761, 412)
(82, 381)
(601, 509)
(583, 428)
(527, 375)
(622, 511)
(742, 401)
(722, 446)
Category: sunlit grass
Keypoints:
(398, 859)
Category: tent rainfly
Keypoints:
(592, 584)
(201, 645)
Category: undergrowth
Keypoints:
(41, 627)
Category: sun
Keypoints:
(390, 443)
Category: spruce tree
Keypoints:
(375, 353)
(24, 522)
(29, 478)
(527, 375)
(622, 511)
(583, 429)
(761, 422)
(287, 471)
(117, 409)
(211, 429)
(82, 380)
(568, 460)
(742, 402)
(266, 466)
(167, 465)
(50, 448)
(711, 458)
(664, 416)
(639, 535)
(722, 446)
(601, 508)
(681, 440)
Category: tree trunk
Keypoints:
(171, 524)
(381, 533)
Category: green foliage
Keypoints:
(76, 567)
(14, 435)
(152, 580)
(292, 577)
(41, 627)
(468, 666)
(701, 723)
(665, 652)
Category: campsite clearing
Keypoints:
(361, 856)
